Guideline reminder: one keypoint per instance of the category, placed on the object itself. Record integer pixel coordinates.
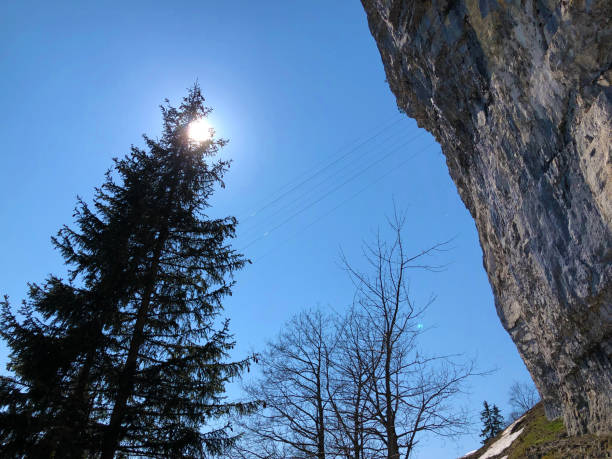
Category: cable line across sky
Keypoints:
(333, 177)
(325, 195)
(350, 198)
(318, 168)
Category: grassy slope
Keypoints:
(543, 439)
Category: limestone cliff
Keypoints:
(518, 94)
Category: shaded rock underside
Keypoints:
(518, 93)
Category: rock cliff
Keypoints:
(518, 93)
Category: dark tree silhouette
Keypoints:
(293, 385)
(492, 420)
(359, 389)
(349, 389)
(127, 356)
(409, 391)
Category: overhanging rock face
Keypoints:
(518, 93)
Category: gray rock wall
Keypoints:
(518, 93)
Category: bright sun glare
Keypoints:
(199, 130)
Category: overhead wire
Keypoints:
(318, 169)
(353, 196)
(248, 230)
(308, 206)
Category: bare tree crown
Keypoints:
(356, 385)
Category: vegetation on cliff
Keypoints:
(540, 438)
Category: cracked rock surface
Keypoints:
(519, 95)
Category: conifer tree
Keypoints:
(497, 421)
(128, 354)
(492, 421)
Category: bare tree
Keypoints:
(360, 388)
(293, 389)
(523, 396)
(348, 389)
(409, 392)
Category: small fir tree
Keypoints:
(492, 421)
(127, 356)
(498, 421)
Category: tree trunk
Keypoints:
(126, 379)
(321, 426)
(392, 446)
(356, 430)
(126, 382)
(112, 436)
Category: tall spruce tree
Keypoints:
(492, 421)
(128, 354)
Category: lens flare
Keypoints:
(199, 130)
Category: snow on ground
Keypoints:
(467, 454)
(505, 440)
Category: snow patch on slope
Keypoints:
(504, 441)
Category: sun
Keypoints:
(199, 130)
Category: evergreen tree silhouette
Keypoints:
(492, 421)
(128, 354)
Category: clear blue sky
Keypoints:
(293, 86)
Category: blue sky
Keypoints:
(295, 86)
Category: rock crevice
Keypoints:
(518, 93)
